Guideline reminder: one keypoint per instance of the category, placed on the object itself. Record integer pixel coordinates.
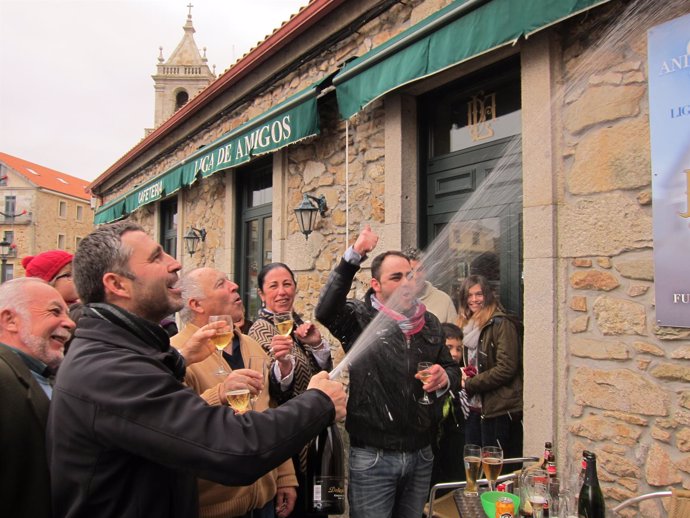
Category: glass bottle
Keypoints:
(591, 501)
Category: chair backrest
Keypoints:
(636, 499)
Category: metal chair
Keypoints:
(459, 485)
(680, 502)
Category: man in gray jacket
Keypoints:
(125, 437)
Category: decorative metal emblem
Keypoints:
(481, 112)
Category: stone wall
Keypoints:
(628, 379)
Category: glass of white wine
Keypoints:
(423, 370)
(284, 323)
(238, 400)
(221, 339)
(258, 364)
(492, 464)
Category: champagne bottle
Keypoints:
(581, 475)
(591, 501)
(325, 484)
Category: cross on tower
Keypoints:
(190, 9)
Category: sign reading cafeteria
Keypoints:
(669, 121)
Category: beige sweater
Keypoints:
(216, 500)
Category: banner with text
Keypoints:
(669, 124)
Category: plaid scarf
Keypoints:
(408, 325)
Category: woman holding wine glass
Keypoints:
(492, 373)
(296, 347)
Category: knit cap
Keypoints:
(46, 265)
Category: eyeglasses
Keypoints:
(66, 275)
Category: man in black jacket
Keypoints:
(125, 437)
(390, 430)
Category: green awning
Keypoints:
(460, 31)
(110, 212)
(292, 120)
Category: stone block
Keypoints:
(644, 198)
(628, 418)
(581, 262)
(683, 439)
(658, 469)
(312, 171)
(637, 290)
(671, 333)
(620, 317)
(661, 435)
(617, 465)
(671, 372)
(578, 303)
(685, 399)
(621, 390)
(647, 348)
(611, 158)
(604, 262)
(607, 224)
(598, 428)
(593, 280)
(579, 324)
(601, 104)
(598, 349)
(643, 365)
(682, 353)
(639, 269)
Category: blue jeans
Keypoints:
(385, 483)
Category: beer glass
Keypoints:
(472, 456)
(492, 463)
(537, 489)
(221, 339)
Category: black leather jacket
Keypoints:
(127, 439)
(383, 411)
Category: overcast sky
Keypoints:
(75, 75)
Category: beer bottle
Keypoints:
(591, 501)
(547, 451)
(551, 466)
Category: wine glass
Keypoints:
(536, 484)
(423, 370)
(492, 463)
(238, 399)
(258, 364)
(284, 324)
(472, 456)
(221, 339)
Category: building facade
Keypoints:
(505, 138)
(43, 209)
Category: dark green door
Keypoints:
(471, 215)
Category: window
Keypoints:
(80, 213)
(10, 207)
(169, 226)
(181, 99)
(61, 241)
(62, 209)
(77, 240)
(7, 273)
(3, 176)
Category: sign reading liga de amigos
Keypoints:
(669, 125)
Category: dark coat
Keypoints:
(25, 487)
(499, 377)
(127, 439)
(382, 408)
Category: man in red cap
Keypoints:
(54, 267)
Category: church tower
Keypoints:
(182, 76)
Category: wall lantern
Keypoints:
(306, 212)
(192, 238)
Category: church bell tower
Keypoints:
(182, 76)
